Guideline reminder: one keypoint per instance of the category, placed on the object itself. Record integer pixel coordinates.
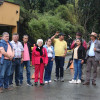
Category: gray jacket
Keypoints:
(97, 52)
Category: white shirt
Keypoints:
(50, 52)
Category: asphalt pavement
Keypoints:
(55, 90)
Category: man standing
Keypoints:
(26, 60)
(18, 59)
(79, 36)
(93, 58)
(60, 47)
(6, 56)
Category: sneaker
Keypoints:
(61, 79)
(46, 82)
(50, 81)
(78, 81)
(73, 81)
(1, 90)
(36, 83)
(29, 84)
(56, 79)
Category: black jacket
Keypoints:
(81, 53)
(29, 47)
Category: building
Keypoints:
(9, 15)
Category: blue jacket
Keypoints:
(45, 46)
(5, 46)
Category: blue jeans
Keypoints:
(27, 64)
(59, 66)
(5, 70)
(48, 70)
(78, 69)
(16, 64)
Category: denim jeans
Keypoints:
(48, 70)
(16, 64)
(59, 66)
(27, 64)
(78, 69)
(5, 70)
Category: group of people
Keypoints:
(15, 55)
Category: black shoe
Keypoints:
(36, 83)
(82, 80)
(86, 83)
(18, 84)
(42, 84)
(93, 83)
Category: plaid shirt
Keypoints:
(18, 48)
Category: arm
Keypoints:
(65, 49)
(85, 45)
(33, 56)
(72, 45)
(53, 53)
(56, 34)
(4, 52)
(46, 57)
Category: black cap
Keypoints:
(61, 34)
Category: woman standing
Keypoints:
(39, 60)
(51, 56)
(78, 57)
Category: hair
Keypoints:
(48, 39)
(80, 40)
(39, 40)
(25, 35)
(5, 33)
(15, 34)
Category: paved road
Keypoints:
(55, 90)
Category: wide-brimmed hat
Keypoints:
(93, 34)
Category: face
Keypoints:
(78, 42)
(40, 44)
(78, 37)
(92, 37)
(49, 42)
(6, 37)
(61, 37)
(25, 39)
(15, 38)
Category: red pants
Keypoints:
(39, 69)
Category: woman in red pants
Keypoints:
(39, 60)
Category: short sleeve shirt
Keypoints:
(59, 47)
(18, 48)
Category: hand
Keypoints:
(64, 55)
(57, 33)
(2, 50)
(45, 64)
(82, 61)
(71, 61)
(88, 46)
(10, 58)
(94, 49)
(74, 42)
(52, 59)
(21, 60)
